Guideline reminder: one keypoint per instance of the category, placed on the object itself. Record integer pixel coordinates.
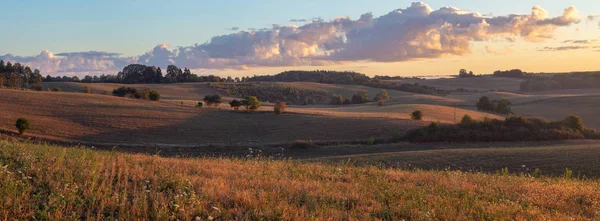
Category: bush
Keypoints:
(380, 103)
(575, 123)
(213, 100)
(127, 91)
(151, 95)
(466, 120)
(33, 87)
(251, 103)
(57, 89)
(22, 125)
(199, 105)
(337, 100)
(302, 145)
(361, 97)
(87, 90)
(235, 104)
(416, 115)
(279, 107)
(383, 95)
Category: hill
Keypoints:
(94, 118)
(484, 83)
(56, 183)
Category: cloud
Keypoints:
(234, 29)
(581, 41)
(298, 20)
(415, 32)
(564, 48)
(591, 18)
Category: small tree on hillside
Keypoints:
(466, 120)
(151, 95)
(416, 115)
(22, 125)
(235, 104)
(382, 95)
(279, 107)
(485, 104)
(251, 103)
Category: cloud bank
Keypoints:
(415, 32)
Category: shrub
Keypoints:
(302, 145)
(36, 87)
(380, 103)
(127, 91)
(337, 100)
(251, 103)
(279, 107)
(213, 100)
(199, 105)
(361, 97)
(57, 89)
(371, 141)
(151, 95)
(22, 125)
(87, 90)
(235, 104)
(383, 95)
(416, 115)
(466, 120)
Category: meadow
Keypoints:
(46, 182)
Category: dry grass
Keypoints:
(92, 118)
(54, 183)
(557, 107)
(552, 158)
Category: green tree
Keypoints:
(252, 103)
(22, 125)
(213, 100)
(485, 104)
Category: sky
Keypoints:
(240, 38)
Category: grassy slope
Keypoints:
(478, 83)
(552, 158)
(58, 183)
(95, 118)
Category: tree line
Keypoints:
(19, 76)
(577, 80)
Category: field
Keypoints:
(56, 183)
(484, 83)
(103, 119)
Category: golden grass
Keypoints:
(55, 183)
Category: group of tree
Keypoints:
(557, 81)
(463, 73)
(360, 97)
(501, 106)
(511, 129)
(19, 76)
(146, 94)
(514, 73)
(347, 77)
(273, 92)
(251, 103)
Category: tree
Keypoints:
(502, 106)
(279, 107)
(466, 120)
(213, 100)
(22, 125)
(484, 104)
(87, 90)
(159, 75)
(251, 103)
(199, 105)
(416, 115)
(361, 97)
(575, 123)
(336, 100)
(235, 104)
(172, 73)
(464, 74)
(382, 95)
(380, 103)
(151, 95)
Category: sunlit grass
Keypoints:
(55, 183)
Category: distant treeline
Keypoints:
(512, 129)
(19, 76)
(142, 74)
(274, 93)
(347, 77)
(514, 73)
(578, 80)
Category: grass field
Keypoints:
(49, 182)
(477, 83)
(93, 118)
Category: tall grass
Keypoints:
(56, 183)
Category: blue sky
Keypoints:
(133, 27)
